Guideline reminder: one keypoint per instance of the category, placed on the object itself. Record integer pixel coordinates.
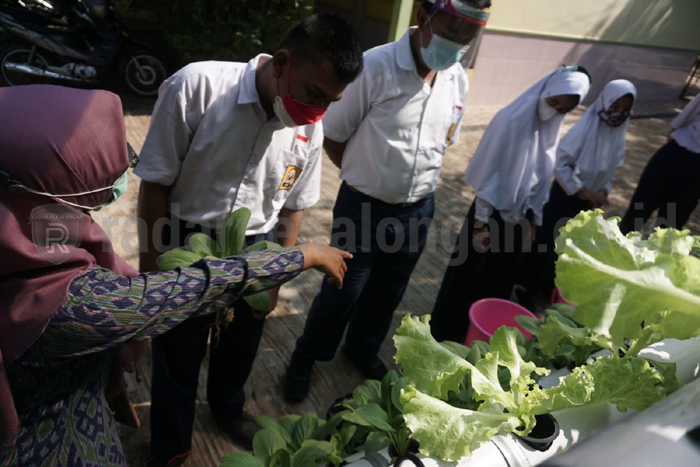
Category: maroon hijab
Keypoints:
(60, 141)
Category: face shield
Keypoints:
(456, 28)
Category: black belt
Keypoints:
(398, 205)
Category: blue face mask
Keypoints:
(118, 189)
(441, 53)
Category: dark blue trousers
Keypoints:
(386, 241)
(669, 184)
(177, 357)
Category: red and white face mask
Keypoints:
(293, 113)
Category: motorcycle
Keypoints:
(85, 43)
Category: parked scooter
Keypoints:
(84, 43)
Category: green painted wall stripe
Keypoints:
(400, 19)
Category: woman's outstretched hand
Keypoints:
(328, 260)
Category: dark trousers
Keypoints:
(473, 275)
(669, 183)
(536, 270)
(177, 356)
(384, 256)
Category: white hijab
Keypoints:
(597, 148)
(512, 166)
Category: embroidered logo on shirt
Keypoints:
(303, 138)
(290, 177)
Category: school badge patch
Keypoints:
(290, 177)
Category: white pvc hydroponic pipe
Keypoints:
(575, 424)
(667, 434)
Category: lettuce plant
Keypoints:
(232, 242)
(435, 372)
(628, 292)
(293, 441)
(626, 288)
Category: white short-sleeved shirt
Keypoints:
(396, 126)
(211, 141)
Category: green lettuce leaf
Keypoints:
(507, 405)
(504, 343)
(671, 241)
(628, 382)
(312, 453)
(240, 459)
(259, 301)
(636, 282)
(450, 433)
(266, 443)
(553, 332)
(573, 390)
(429, 366)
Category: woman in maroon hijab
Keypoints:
(68, 303)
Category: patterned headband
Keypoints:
(462, 10)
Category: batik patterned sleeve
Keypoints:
(105, 309)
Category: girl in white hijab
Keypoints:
(587, 159)
(510, 173)
(669, 182)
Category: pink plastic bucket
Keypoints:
(489, 314)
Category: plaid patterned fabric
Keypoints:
(58, 385)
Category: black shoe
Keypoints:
(176, 461)
(298, 377)
(241, 430)
(371, 367)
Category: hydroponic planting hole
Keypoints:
(543, 435)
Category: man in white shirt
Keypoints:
(223, 136)
(388, 135)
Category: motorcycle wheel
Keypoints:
(21, 54)
(143, 73)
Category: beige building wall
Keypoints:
(671, 24)
(653, 43)
(506, 65)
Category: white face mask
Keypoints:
(282, 113)
(546, 111)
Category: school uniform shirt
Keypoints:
(396, 126)
(591, 152)
(511, 169)
(687, 127)
(211, 141)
